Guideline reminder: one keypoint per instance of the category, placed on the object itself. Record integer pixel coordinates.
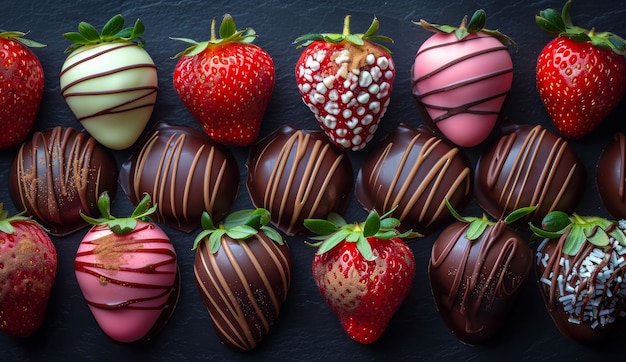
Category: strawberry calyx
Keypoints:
(335, 229)
(478, 225)
(355, 39)
(20, 37)
(476, 24)
(578, 229)
(6, 221)
(560, 24)
(112, 31)
(228, 33)
(124, 225)
(239, 225)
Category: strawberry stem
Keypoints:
(123, 225)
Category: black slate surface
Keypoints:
(306, 329)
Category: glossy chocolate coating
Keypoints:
(611, 176)
(59, 173)
(597, 289)
(297, 175)
(529, 166)
(475, 283)
(244, 285)
(416, 171)
(185, 173)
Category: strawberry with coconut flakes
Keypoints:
(28, 261)
(109, 81)
(364, 271)
(226, 83)
(21, 87)
(581, 272)
(581, 74)
(346, 81)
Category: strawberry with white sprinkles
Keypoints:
(346, 80)
(581, 269)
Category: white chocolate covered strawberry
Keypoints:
(110, 82)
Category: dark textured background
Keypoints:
(306, 329)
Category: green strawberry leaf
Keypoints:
(113, 26)
(123, 225)
(333, 233)
(239, 225)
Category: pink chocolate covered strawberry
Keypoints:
(127, 271)
(346, 80)
(461, 78)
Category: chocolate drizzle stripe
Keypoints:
(477, 288)
(134, 246)
(312, 170)
(211, 198)
(436, 174)
(521, 179)
(218, 281)
(465, 108)
(95, 55)
(126, 106)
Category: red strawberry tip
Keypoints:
(20, 37)
(239, 225)
(112, 31)
(560, 24)
(578, 229)
(228, 33)
(356, 39)
(476, 24)
(333, 231)
(125, 225)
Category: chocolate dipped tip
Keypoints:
(185, 172)
(415, 170)
(296, 175)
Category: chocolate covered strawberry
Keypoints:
(127, 271)
(581, 272)
(21, 87)
(581, 74)
(364, 272)
(476, 271)
(109, 81)
(346, 81)
(28, 266)
(226, 83)
(461, 78)
(243, 272)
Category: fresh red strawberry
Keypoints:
(461, 78)
(226, 83)
(109, 81)
(21, 87)
(346, 81)
(28, 265)
(581, 272)
(476, 271)
(363, 271)
(243, 272)
(127, 270)
(581, 74)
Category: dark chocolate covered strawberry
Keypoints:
(581, 272)
(243, 272)
(476, 271)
